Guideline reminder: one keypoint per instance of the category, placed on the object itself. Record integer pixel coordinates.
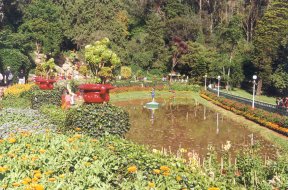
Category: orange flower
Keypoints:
(213, 188)
(38, 175)
(156, 171)
(16, 184)
(42, 151)
(1, 140)
(166, 173)
(132, 169)
(78, 129)
(164, 168)
(94, 140)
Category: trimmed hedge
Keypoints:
(44, 97)
(98, 119)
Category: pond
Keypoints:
(190, 126)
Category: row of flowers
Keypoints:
(273, 121)
(17, 89)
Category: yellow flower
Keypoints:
(12, 140)
(34, 179)
(164, 168)
(38, 175)
(34, 158)
(4, 186)
(156, 171)
(94, 140)
(132, 169)
(77, 136)
(37, 187)
(78, 129)
(95, 157)
(213, 188)
(87, 164)
(3, 169)
(16, 184)
(28, 145)
(70, 140)
(52, 179)
(178, 178)
(62, 176)
(151, 184)
(26, 181)
(1, 140)
(166, 173)
(42, 151)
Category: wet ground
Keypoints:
(186, 124)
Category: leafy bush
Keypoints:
(42, 97)
(128, 83)
(12, 102)
(98, 119)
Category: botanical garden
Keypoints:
(132, 95)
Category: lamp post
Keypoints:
(205, 76)
(254, 84)
(218, 85)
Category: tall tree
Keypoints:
(42, 25)
(271, 35)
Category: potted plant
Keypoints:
(46, 74)
(102, 61)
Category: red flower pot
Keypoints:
(96, 93)
(45, 84)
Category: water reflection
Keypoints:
(191, 126)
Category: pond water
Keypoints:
(190, 126)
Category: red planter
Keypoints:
(96, 93)
(45, 84)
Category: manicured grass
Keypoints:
(245, 94)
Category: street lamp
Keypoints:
(254, 84)
(205, 81)
(218, 85)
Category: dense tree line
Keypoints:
(231, 38)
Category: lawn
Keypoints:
(245, 94)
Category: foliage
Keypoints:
(99, 56)
(98, 119)
(83, 70)
(271, 39)
(12, 102)
(43, 97)
(136, 88)
(17, 90)
(54, 113)
(15, 60)
(42, 25)
(46, 69)
(185, 87)
(126, 72)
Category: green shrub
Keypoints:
(55, 114)
(98, 119)
(185, 87)
(42, 97)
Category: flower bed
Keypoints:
(17, 89)
(272, 121)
